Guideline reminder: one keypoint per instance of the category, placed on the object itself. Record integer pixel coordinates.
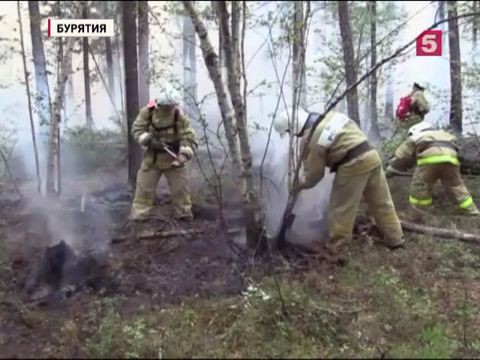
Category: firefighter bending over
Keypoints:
(435, 154)
(169, 142)
(339, 143)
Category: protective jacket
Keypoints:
(418, 109)
(435, 154)
(427, 148)
(339, 144)
(170, 128)
(167, 125)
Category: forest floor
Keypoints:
(193, 296)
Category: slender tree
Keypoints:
(241, 166)
(42, 98)
(29, 99)
(372, 5)
(109, 56)
(143, 66)
(131, 85)
(189, 66)
(455, 69)
(86, 74)
(348, 59)
(64, 59)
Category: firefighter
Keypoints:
(435, 154)
(169, 142)
(338, 143)
(417, 109)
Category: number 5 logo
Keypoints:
(429, 43)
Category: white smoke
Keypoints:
(311, 208)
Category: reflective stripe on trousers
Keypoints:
(465, 204)
(422, 202)
(438, 159)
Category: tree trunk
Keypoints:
(56, 115)
(298, 55)
(143, 66)
(42, 98)
(29, 99)
(441, 16)
(373, 60)
(455, 69)
(243, 168)
(474, 27)
(252, 210)
(118, 41)
(109, 59)
(389, 106)
(299, 89)
(86, 75)
(348, 59)
(131, 86)
(189, 66)
(214, 71)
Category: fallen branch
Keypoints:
(440, 233)
(153, 235)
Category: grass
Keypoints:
(412, 305)
(420, 302)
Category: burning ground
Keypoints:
(195, 295)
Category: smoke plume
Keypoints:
(311, 208)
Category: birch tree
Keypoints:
(455, 69)
(299, 87)
(230, 44)
(348, 59)
(231, 50)
(189, 66)
(143, 66)
(86, 74)
(42, 98)
(29, 99)
(372, 5)
(64, 70)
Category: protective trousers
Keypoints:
(425, 177)
(347, 192)
(147, 181)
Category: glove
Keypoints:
(185, 154)
(156, 144)
(389, 173)
(186, 151)
(145, 139)
(180, 161)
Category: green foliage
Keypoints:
(433, 343)
(118, 337)
(87, 150)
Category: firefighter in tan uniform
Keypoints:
(340, 144)
(436, 156)
(169, 142)
(419, 106)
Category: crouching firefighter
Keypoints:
(169, 142)
(338, 143)
(435, 154)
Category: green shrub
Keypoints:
(84, 150)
